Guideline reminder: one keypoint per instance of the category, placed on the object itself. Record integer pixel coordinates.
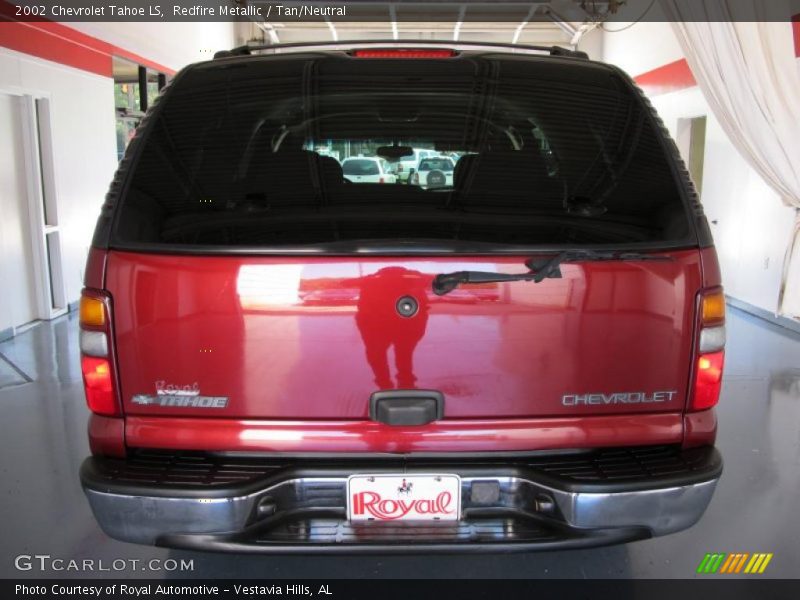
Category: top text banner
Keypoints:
(420, 11)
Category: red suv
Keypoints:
(277, 359)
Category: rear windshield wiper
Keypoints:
(444, 283)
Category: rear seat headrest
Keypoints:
(463, 166)
(511, 170)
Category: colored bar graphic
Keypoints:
(722, 562)
(754, 563)
(701, 568)
(711, 562)
(730, 562)
(733, 561)
(764, 564)
(741, 562)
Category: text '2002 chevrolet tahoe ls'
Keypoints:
(278, 359)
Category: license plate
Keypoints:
(428, 497)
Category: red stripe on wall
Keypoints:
(29, 38)
(66, 46)
(669, 78)
(796, 31)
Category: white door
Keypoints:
(18, 303)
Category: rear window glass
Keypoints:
(360, 167)
(257, 152)
(437, 164)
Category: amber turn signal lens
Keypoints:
(92, 312)
(713, 307)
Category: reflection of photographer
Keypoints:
(381, 326)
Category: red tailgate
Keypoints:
(312, 338)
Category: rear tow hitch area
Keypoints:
(524, 503)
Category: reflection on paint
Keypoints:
(265, 286)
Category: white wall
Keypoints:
(83, 120)
(592, 43)
(173, 45)
(641, 47)
(753, 226)
(18, 301)
(84, 147)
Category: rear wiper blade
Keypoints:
(445, 283)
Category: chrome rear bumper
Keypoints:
(302, 508)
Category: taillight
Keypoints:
(710, 351)
(92, 312)
(403, 53)
(99, 386)
(380, 180)
(712, 307)
(96, 360)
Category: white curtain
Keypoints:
(748, 74)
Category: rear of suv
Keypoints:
(278, 359)
(434, 173)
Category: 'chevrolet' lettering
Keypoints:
(618, 398)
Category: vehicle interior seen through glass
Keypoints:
(328, 149)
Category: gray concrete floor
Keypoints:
(43, 511)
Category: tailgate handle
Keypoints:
(406, 407)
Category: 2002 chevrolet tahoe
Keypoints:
(278, 359)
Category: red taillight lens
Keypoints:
(380, 180)
(404, 53)
(96, 356)
(708, 380)
(99, 385)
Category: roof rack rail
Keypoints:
(345, 45)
